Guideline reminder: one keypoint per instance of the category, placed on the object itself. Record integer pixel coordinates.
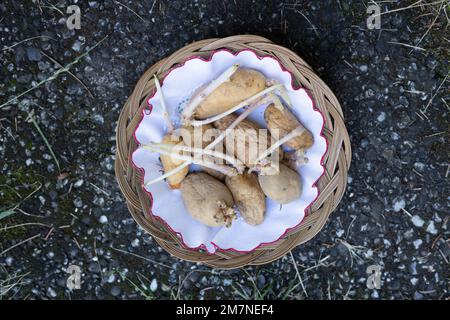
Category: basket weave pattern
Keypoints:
(331, 185)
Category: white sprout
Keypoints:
(201, 96)
(163, 104)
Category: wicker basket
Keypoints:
(331, 185)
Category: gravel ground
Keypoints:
(396, 102)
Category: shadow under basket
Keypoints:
(331, 185)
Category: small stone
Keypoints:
(76, 46)
(381, 117)
(115, 291)
(417, 243)
(153, 285)
(33, 54)
(414, 281)
(9, 261)
(98, 118)
(339, 232)
(79, 183)
(135, 243)
(413, 268)
(398, 204)
(51, 292)
(417, 221)
(431, 228)
(363, 68)
(94, 267)
(111, 278)
(103, 219)
(78, 202)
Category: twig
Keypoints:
(99, 189)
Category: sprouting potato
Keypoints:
(207, 199)
(283, 187)
(248, 197)
(246, 142)
(198, 137)
(201, 137)
(243, 84)
(280, 118)
(170, 163)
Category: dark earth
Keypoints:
(65, 208)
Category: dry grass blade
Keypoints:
(54, 75)
(10, 281)
(25, 40)
(355, 252)
(69, 72)
(131, 10)
(298, 274)
(19, 244)
(435, 94)
(141, 257)
(407, 45)
(49, 147)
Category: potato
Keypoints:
(279, 117)
(248, 197)
(207, 199)
(214, 173)
(243, 84)
(198, 137)
(283, 187)
(170, 163)
(243, 143)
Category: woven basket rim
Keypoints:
(336, 161)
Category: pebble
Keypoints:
(103, 219)
(9, 261)
(51, 293)
(76, 46)
(77, 202)
(399, 204)
(116, 291)
(417, 221)
(417, 243)
(381, 117)
(431, 228)
(79, 183)
(153, 285)
(33, 54)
